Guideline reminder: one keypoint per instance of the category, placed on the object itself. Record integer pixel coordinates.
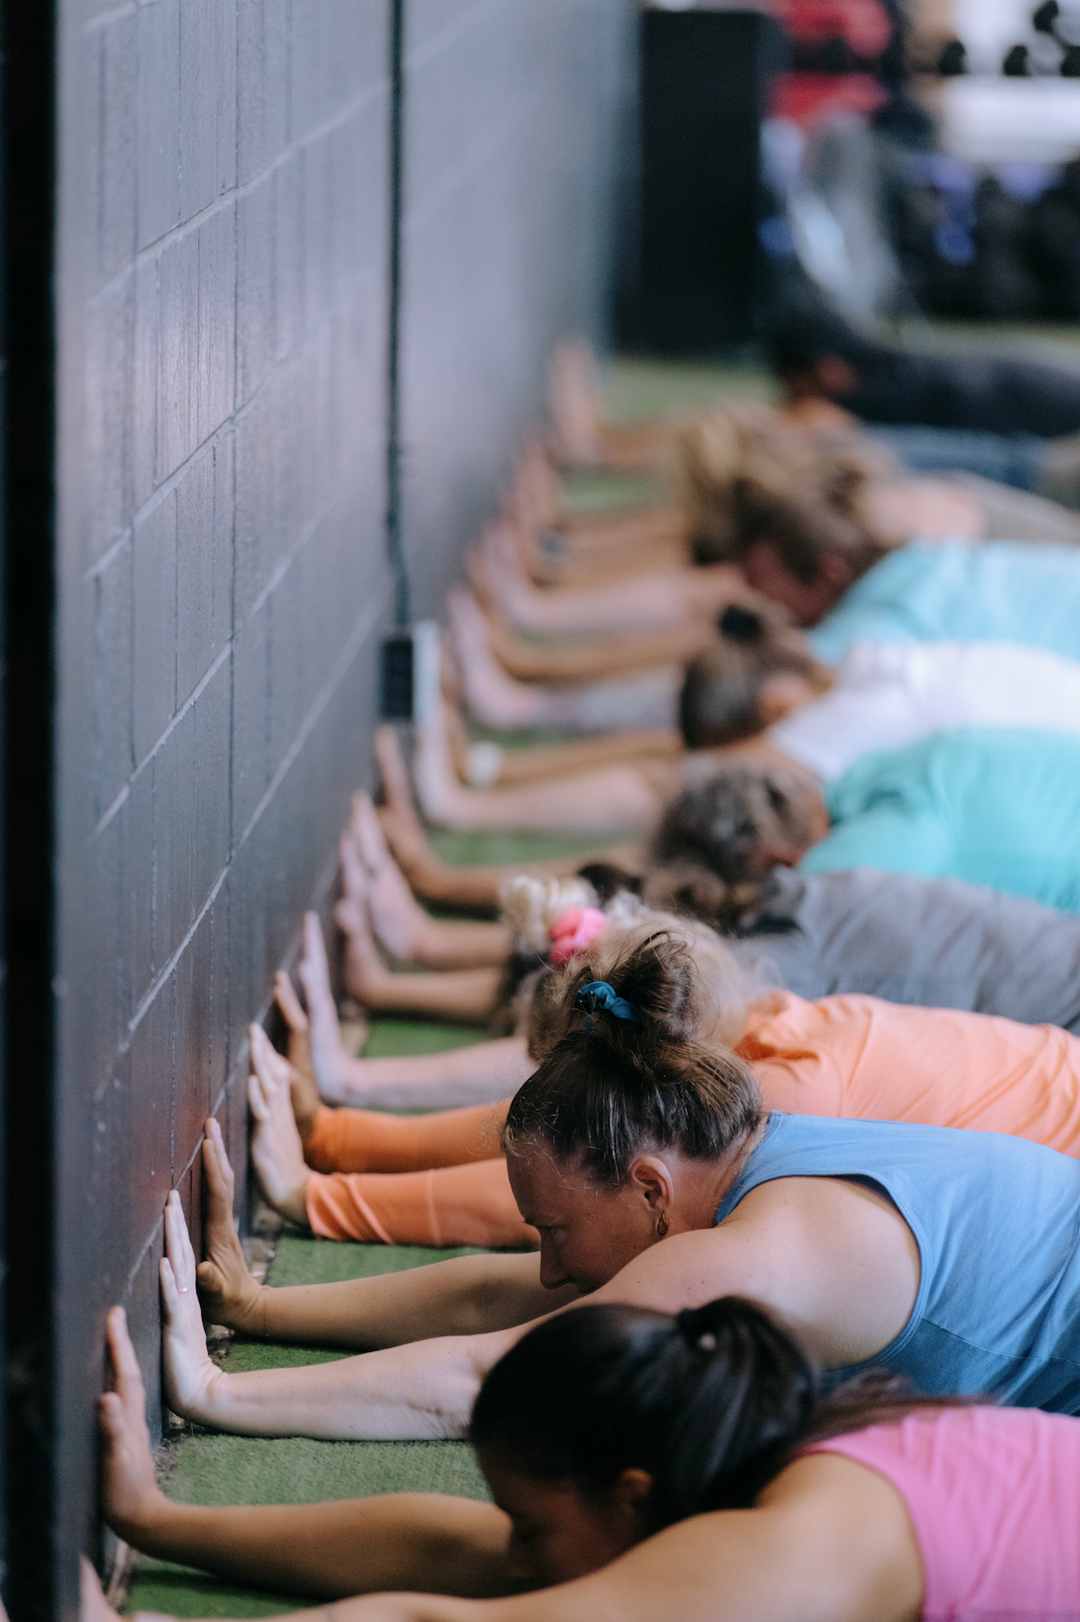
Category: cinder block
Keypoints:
(111, 607)
(192, 1037)
(216, 378)
(152, 1105)
(116, 168)
(158, 142)
(176, 900)
(204, 564)
(251, 724)
(221, 1017)
(136, 822)
(262, 84)
(290, 260)
(144, 429)
(211, 772)
(178, 369)
(110, 359)
(106, 967)
(256, 274)
(154, 631)
(208, 109)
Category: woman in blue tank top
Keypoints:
(653, 1178)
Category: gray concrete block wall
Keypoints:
(226, 551)
(223, 585)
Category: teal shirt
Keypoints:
(990, 806)
(1002, 591)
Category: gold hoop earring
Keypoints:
(662, 1224)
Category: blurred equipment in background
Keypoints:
(705, 77)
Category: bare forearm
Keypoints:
(356, 1546)
(479, 886)
(595, 658)
(467, 994)
(466, 1295)
(461, 944)
(424, 1391)
(525, 765)
(477, 1074)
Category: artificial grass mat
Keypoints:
(209, 1468)
(213, 1469)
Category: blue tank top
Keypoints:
(997, 1223)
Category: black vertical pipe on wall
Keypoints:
(32, 1577)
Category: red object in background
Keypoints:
(862, 24)
(807, 98)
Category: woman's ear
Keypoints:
(631, 1497)
(835, 571)
(781, 693)
(650, 1177)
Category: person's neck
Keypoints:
(705, 1185)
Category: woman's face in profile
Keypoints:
(806, 601)
(559, 1533)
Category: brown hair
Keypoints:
(609, 1087)
(691, 891)
(721, 695)
(723, 823)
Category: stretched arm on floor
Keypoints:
(403, 1540)
(471, 886)
(471, 1075)
(464, 1296)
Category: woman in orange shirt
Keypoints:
(439, 1179)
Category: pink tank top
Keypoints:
(994, 1499)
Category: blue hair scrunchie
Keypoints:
(598, 994)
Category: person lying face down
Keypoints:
(936, 943)
(436, 1179)
(826, 536)
(760, 683)
(649, 1464)
(817, 354)
(652, 1177)
(993, 807)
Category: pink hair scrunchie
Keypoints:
(574, 931)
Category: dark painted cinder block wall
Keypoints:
(222, 584)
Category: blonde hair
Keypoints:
(739, 473)
(700, 993)
(531, 904)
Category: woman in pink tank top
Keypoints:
(645, 1466)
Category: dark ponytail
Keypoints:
(721, 694)
(711, 1404)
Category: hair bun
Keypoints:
(740, 625)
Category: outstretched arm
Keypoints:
(472, 886)
(471, 1075)
(424, 1389)
(463, 1296)
(414, 1540)
(828, 1537)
